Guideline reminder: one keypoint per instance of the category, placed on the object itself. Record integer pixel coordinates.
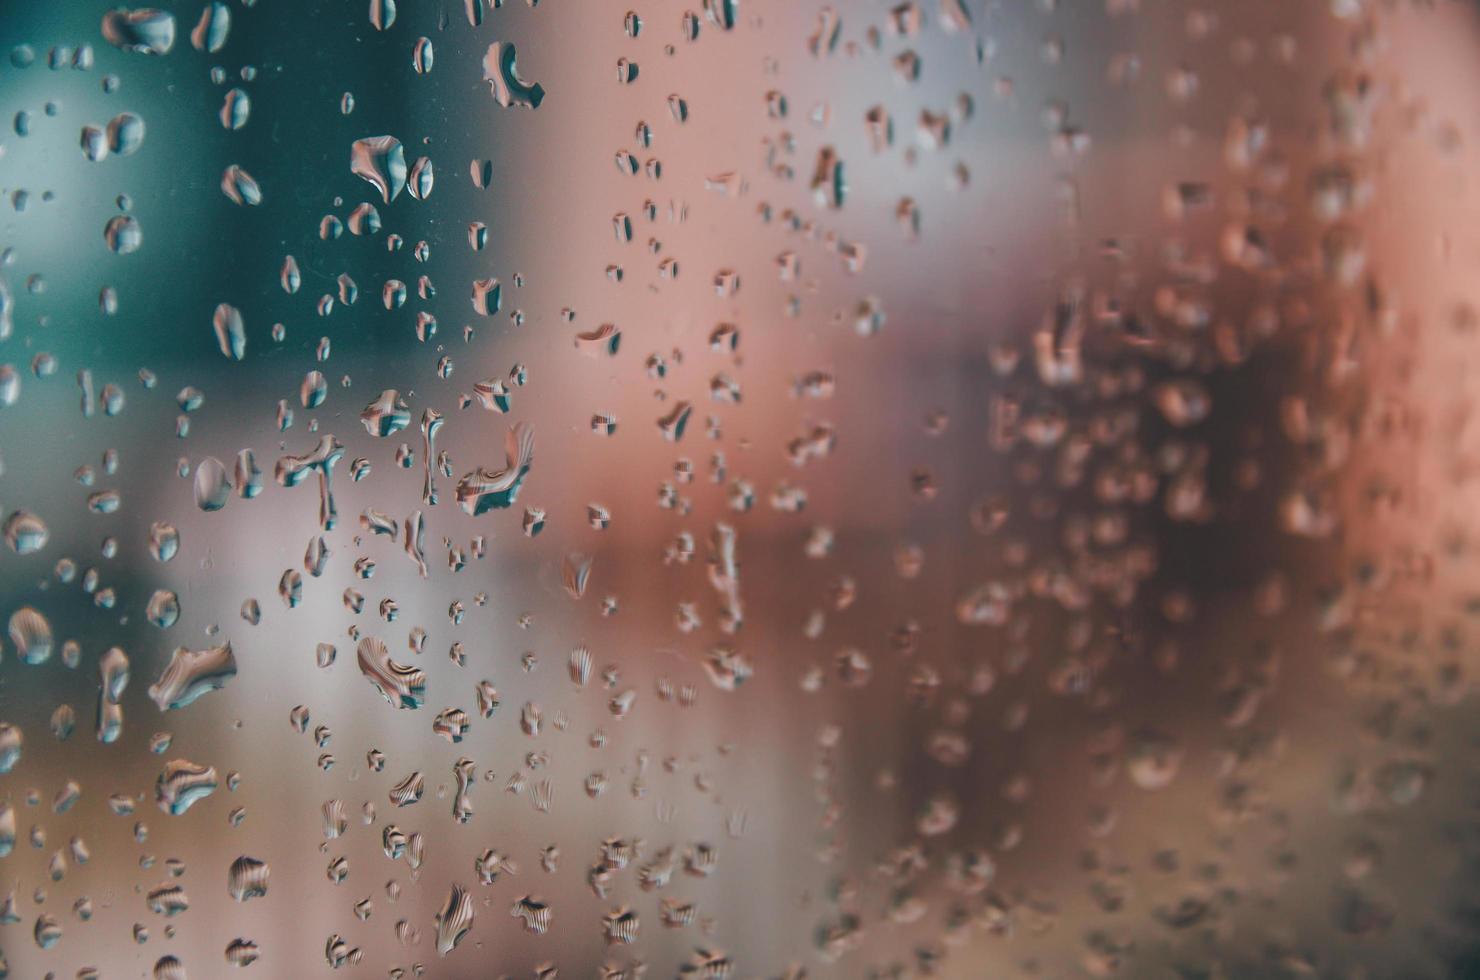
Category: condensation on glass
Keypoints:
(739, 488)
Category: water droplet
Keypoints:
(402, 686)
(421, 178)
(382, 14)
(240, 187)
(242, 952)
(212, 29)
(421, 56)
(454, 919)
(125, 133)
(163, 609)
(30, 634)
(94, 144)
(123, 234)
(143, 30)
(11, 742)
(212, 484)
(236, 108)
(534, 913)
(502, 75)
(47, 932)
(181, 784)
(191, 674)
(381, 161)
(25, 532)
(483, 490)
(247, 878)
(575, 572)
(231, 333)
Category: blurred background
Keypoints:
(1010, 468)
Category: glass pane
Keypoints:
(738, 489)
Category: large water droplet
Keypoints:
(247, 878)
(25, 532)
(454, 919)
(191, 674)
(30, 633)
(502, 76)
(211, 30)
(402, 686)
(381, 161)
(144, 30)
(123, 234)
(182, 784)
(231, 332)
(212, 484)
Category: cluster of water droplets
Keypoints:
(986, 521)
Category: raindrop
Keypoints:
(212, 484)
(500, 72)
(211, 30)
(381, 161)
(25, 532)
(143, 30)
(240, 187)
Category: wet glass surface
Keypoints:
(738, 489)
